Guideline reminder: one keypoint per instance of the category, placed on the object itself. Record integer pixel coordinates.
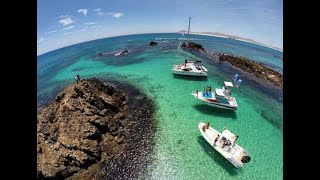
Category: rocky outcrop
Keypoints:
(152, 43)
(83, 127)
(193, 46)
(258, 69)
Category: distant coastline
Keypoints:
(216, 34)
(222, 35)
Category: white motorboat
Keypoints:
(189, 67)
(220, 98)
(225, 144)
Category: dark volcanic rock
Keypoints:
(193, 46)
(83, 127)
(257, 69)
(153, 43)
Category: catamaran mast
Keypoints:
(187, 39)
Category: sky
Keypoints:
(62, 23)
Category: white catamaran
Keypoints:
(220, 98)
(225, 144)
(189, 67)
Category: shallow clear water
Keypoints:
(180, 152)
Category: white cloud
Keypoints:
(40, 40)
(95, 26)
(66, 21)
(98, 26)
(70, 27)
(84, 11)
(51, 32)
(66, 33)
(81, 30)
(90, 23)
(117, 15)
(98, 10)
(63, 16)
(113, 14)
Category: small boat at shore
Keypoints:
(220, 98)
(225, 144)
(121, 53)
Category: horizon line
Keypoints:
(196, 33)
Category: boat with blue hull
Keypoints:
(220, 98)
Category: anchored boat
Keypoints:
(225, 144)
(220, 98)
(189, 67)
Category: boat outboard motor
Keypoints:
(246, 159)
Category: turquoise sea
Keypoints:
(179, 151)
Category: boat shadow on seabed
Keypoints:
(206, 109)
(217, 157)
(192, 78)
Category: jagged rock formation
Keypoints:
(193, 46)
(152, 43)
(84, 126)
(259, 70)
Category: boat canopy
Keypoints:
(229, 135)
(228, 84)
(220, 92)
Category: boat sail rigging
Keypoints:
(189, 68)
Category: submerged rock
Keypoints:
(193, 46)
(84, 126)
(152, 43)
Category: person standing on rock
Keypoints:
(76, 77)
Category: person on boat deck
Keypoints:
(206, 126)
(197, 92)
(226, 143)
(210, 88)
(216, 139)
